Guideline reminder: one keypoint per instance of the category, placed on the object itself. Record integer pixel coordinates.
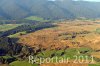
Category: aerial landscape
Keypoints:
(49, 33)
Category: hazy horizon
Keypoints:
(84, 0)
(93, 0)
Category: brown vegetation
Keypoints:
(66, 34)
(4, 65)
(62, 64)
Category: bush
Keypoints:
(98, 30)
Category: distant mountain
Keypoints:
(59, 9)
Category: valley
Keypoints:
(52, 39)
(49, 33)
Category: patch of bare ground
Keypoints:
(4, 65)
(96, 54)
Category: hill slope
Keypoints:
(15, 9)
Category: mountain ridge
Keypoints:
(66, 9)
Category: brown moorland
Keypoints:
(68, 34)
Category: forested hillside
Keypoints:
(66, 9)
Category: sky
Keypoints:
(86, 0)
(93, 0)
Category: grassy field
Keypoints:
(22, 63)
(34, 18)
(17, 34)
(6, 27)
